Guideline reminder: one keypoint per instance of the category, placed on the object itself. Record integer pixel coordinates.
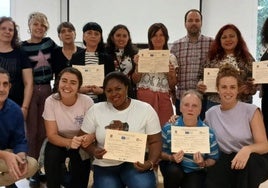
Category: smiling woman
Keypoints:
(5, 8)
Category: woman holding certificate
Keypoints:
(241, 136)
(63, 114)
(155, 88)
(122, 113)
(182, 169)
(94, 54)
(229, 47)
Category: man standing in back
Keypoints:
(191, 52)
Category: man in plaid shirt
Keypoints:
(191, 51)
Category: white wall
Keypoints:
(137, 15)
(242, 13)
(20, 10)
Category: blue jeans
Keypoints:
(121, 176)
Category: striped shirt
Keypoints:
(190, 57)
(188, 163)
(91, 58)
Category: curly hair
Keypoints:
(228, 70)
(241, 51)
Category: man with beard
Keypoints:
(191, 51)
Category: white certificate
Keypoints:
(153, 61)
(260, 72)
(92, 74)
(210, 75)
(125, 146)
(190, 139)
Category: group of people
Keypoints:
(73, 116)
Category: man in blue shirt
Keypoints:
(14, 162)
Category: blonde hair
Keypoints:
(40, 17)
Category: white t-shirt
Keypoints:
(140, 116)
(68, 118)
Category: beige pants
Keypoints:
(6, 179)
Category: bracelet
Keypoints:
(152, 164)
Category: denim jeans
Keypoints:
(121, 176)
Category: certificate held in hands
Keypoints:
(190, 139)
(153, 61)
(210, 75)
(125, 146)
(259, 72)
(92, 74)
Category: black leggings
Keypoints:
(79, 169)
(222, 176)
(174, 176)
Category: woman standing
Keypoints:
(61, 56)
(38, 48)
(93, 54)
(17, 64)
(241, 136)
(229, 47)
(120, 47)
(64, 112)
(155, 88)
